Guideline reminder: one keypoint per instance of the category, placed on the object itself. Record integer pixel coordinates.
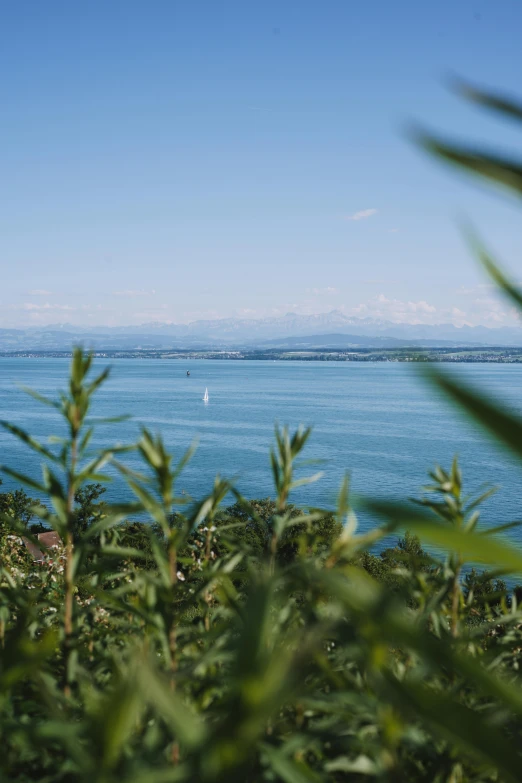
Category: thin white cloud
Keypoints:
(152, 313)
(409, 307)
(456, 312)
(485, 306)
(363, 214)
(130, 293)
(329, 291)
(201, 315)
(46, 306)
(485, 311)
(39, 292)
(379, 281)
(395, 310)
(471, 290)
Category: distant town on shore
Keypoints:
(459, 355)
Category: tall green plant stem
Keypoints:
(273, 552)
(173, 644)
(173, 636)
(455, 599)
(69, 564)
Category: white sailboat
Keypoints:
(205, 396)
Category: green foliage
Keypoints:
(253, 524)
(255, 642)
(261, 642)
(87, 510)
(18, 505)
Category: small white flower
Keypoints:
(180, 576)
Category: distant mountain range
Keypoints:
(332, 329)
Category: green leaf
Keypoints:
(397, 629)
(29, 440)
(361, 765)
(502, 171)
(27, 480)
(108, 419)
(475, 546)
(460, 726)
(22, 657)
(185, 459)
(116, 720)
(113, 514)
(85, 440)
(288, 769)
(161, 559)
(56, 493)
(175, 712)
(92, 467)
(343, 499)
(166, 775)
(307, 480)
(122, 552)
(97, 382)
(149, 503)
(41, 398)
(493, 270)
(502, 423)
(481, 498)
(502, 104)
(492, 531)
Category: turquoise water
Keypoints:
(379, 421)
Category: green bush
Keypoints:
(255, 642)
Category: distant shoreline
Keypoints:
(453, 355)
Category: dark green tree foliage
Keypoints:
(253, 523)
(18, 505)
(485, 588)
(258, 642)
(408, 551)
(87, 509)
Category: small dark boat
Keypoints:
(188, 372)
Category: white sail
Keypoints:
(205, 398)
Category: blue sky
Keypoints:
(169, 161)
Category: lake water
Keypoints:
(379, 421)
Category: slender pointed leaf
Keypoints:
(502, 171)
